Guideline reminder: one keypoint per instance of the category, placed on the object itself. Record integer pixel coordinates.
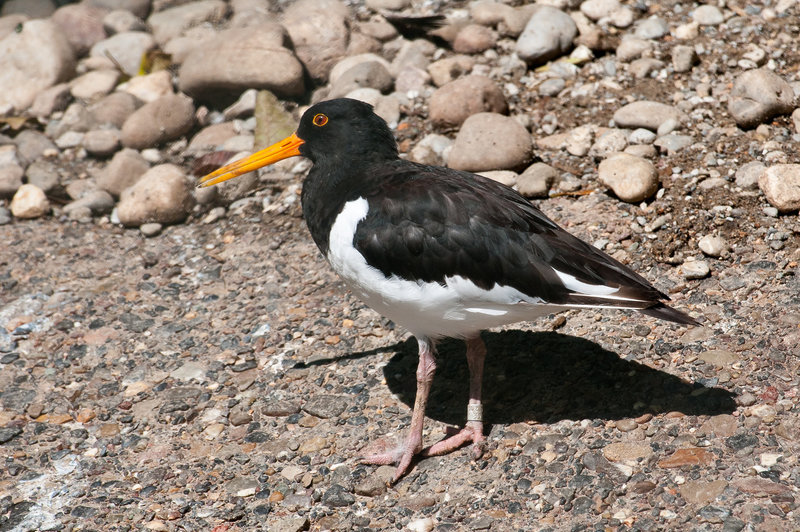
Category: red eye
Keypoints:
(320, 119)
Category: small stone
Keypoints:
(101, 142)
(761, 487)
(159, 121)
(781, 186)
(162, 195)
(687, 456)
(712, 245)
(631, 48)
(337, 497)
(683, 58)
(641, 136)
(477, 149)
(506, 177)
(552, 87)
(708, 15)
(579, 141)
(94, 84)
(597, 9)
(325, 406)
(125, 168)
(631, 178)
(9, 433)
(448, 69)
(10, 179)
(150, 229)
(718, 357)
(473, 39)
(758, 95)
(627, 451)
(536, 180)
(29, 202)
(747, 175)
(127, 49)
(70, 139)
(671, 144)
(121, 20)
(702, 492)
(456, 101)
(548, 34)
(646, 114)
(421, 525)
(653, 27)
(609, 142)
(626, 425)
(150, 87)
(695, 269)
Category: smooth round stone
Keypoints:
(614, 140)
(159, 121)
(712, 245)
(631, 48)
(757, 96)
(456, 101)
(652, 28)
(695, 269)
(476, 148)
(162, 195)
(683, 58)
(646, 114)
(708, 15)
(626, 425)
(150, 229)
(101, 142)
(781, 185)
(537, 180)
(474, 39)
(641, 136)
(29, 202)
(597, 9)
(579, 141)
(548, 34)
(631, 178)
(552, 87)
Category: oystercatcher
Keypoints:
(441, 252)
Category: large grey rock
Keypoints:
(632, 178)
(127, 49)
(162, 195)
(781, 185)
(124, 170)
(548, 34)
(454, 102)
(757, 96)
(490, 141)
(173, 21)
(82, 25)
(31, 60)
(157, 122)
(240, 59)
(319, 32)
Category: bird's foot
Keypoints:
(402, 455)
(473, 432)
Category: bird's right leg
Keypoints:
(413, 443)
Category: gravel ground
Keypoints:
(218, 376)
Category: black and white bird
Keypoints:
(440, 252)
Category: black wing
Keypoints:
(427, 223)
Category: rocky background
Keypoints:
(174, 358)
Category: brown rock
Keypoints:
(701, 492)
(82, 25)
(687, 456)
(781, 185)
(489, 141)
(627, 451)
(474, 39)
(163, 195)
(761, 487)
(125, 168)
(319, 32)
(157, 122)
(456, 101)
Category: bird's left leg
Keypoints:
(473, 431)
(413, 443)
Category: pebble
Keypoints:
(536, 180)
(672, 143)
(609, 142)
(102, 142)
(32, 60)
(631, 178)
(162, 195)
(683, 58)
(689, 456)
(150, 87)
(548, 34)
(708, 15)
(758, 95)
(29, 202)
(702, 492)
(124, 169)
(159, 121)
(222, 64)
(641, 136)
(94, 84)
(432, 149)
(454, 102)
(474, 39)
(325, 406)
(121, 20)
(552, 87)
(712, 245)
(151, 229)
(96, 201)
(631, 48)
(448, 69)
(113, 110)
(780, 184)
(172, 22)
(598, 9)
(695, 269)
(365, 74)
(628, 451)
(506, 177)
(719, 357)
(626, 425)
(653, 27)
(477, 149)
(579, 140)
(337, 497)
(646, 114)
(10, 179)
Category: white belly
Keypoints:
(458, 309)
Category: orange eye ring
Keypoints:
(320, 119)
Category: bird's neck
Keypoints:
(328, 186)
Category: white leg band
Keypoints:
(475, 412)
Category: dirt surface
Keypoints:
(219, 376)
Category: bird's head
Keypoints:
(341, 131)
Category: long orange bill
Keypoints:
(288, 147)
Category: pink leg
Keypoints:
(413, 444)
(473, 431)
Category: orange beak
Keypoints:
(288, 147)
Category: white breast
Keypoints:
(458, 309)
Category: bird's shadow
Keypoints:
(547, 377)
